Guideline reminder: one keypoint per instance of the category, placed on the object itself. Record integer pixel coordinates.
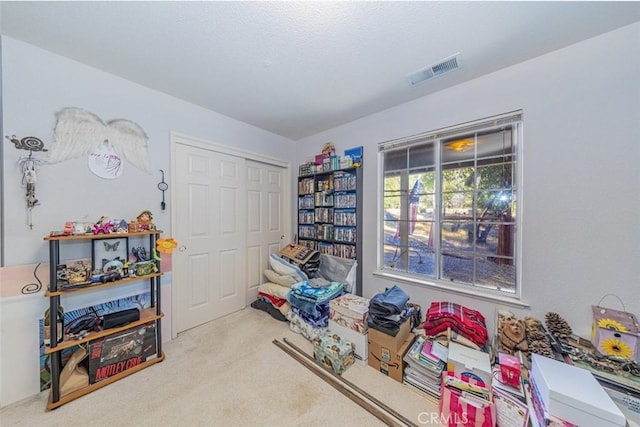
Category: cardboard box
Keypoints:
(388, 341)
(465, 361)
(350, 311)
(333, 352)
(361, 341)
(389, 361)
(573, 394)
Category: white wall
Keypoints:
(36, 84)
(581, 195)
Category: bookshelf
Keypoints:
(330, 214)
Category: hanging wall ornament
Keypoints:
(29, 169)
(78, 132)
(163, 186)
(30, 143)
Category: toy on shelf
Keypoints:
(145, 221)
(103, 226)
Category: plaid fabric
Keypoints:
(465, 321)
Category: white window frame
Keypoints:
(514, 119)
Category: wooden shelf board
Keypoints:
(49, 294)
(92, 387)
(90, 236)
(146, 315)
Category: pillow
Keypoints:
(275, 290)
(284, 268)
(279, 279)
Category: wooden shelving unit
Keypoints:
(54, 350)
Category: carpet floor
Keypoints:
(228, 373)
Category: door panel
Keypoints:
(210, 271)
(265, 226)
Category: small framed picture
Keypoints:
(109, 254)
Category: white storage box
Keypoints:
(350, 311)
(467, 361)
(360, 340)
(573, 394)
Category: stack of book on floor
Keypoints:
(426, 359)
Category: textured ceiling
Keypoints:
(298, 68)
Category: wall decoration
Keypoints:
(79, 132)
(163, 186)
(30, 143)
(29, 166)
(105, 162)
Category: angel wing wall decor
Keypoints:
(78, 132)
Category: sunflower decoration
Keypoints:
(606, 323)
(166, 245)
(615, 347)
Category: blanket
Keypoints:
(307, 292)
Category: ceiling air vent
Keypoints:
(449, 64)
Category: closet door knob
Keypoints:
(182, 248)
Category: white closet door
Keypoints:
(265, 220)
(210, 268)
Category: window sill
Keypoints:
(487, 296)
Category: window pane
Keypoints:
(457, 179)
(495, 176)
(457, 205)
(459, 149)
(457, 236)
(457, 267)
(422, 155)
(393, 259)
(494, 275)
(395, 159)
(495, 143)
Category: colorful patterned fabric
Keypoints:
(298, 325)
(305, 291)
(465, 321)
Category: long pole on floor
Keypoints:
(355, 387)
(334, 381)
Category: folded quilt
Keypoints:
(313, 309)
(298, 325)
(305, 291)
(322, 321)
(463, 320)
